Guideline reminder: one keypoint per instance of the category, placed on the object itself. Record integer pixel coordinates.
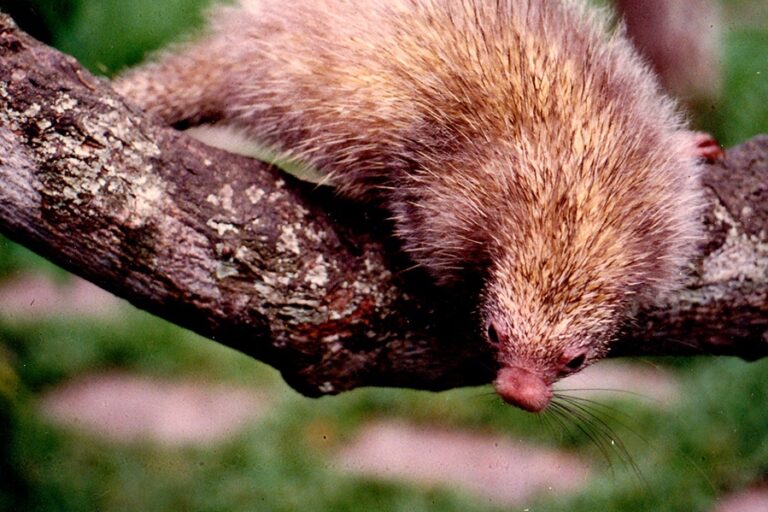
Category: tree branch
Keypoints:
(233, 249)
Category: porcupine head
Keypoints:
(572, 188)
(519, 141)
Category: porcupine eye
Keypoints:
(493, 337)
(576, 362)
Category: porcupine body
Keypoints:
(520, 141)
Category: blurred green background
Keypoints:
(713, 441)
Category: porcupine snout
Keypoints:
(522, 388)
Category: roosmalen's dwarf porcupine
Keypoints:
(523, 141)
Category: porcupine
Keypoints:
(521, 141)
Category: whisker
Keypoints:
(599, 405)
(587, 427)
(546, 420)
(610, 413)
(588, 415)
(486, 395)
(607, 390)
(610, 435)
(684, 342)
(567, 413)
(560, 416)
(409, 269)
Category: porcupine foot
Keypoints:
(706, 147)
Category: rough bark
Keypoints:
(286, 273)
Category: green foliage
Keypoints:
(109, 34)
(106, 35)
(14, 258)
(714, 440)
(744, 109)
(260, 471)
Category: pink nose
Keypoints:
(522, 389)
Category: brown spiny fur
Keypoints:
(520, 140)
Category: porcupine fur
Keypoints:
(521, 141)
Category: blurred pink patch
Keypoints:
(649, 384)
(752, 500)
(126, 407)
(29, 296)
(500, 469)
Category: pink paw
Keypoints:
(705, 147)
